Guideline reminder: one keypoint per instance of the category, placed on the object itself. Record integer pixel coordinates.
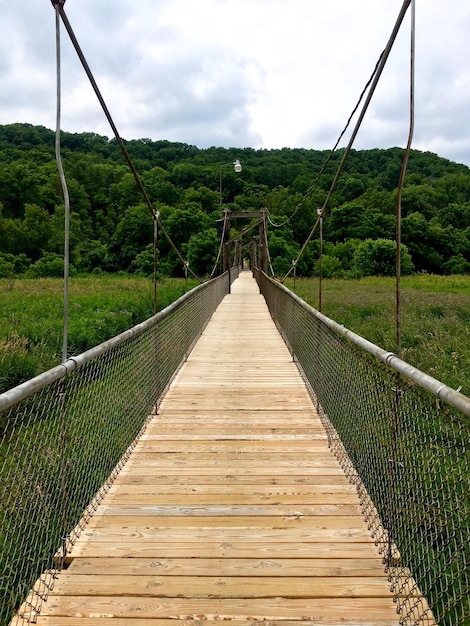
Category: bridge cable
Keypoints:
(397, 411)
(268, 255)
(222, 238)
(63, 182)
(402, 178)
(141, 187)
(65, 193)
(378, 74)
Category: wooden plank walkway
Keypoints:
(231, 507)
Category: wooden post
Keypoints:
(262, 241)
(226, 239)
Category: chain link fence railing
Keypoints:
(65, 435)
(403, 439)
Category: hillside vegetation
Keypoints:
(111, 229)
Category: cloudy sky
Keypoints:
(258, 73)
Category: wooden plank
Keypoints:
(233, 459)
(354, 610)
(136, 498)
(262, 445)
(231, 550)
(274, 510)
(190, 534)
(287, 436)
(221, 587)
(287, 522)
(113, 621)
(247, 470)
(254, 489)
(261, 481)
(357, 568)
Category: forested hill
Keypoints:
(111, 229)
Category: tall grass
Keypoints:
(435, 318)
(100, 307)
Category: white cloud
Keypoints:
(264, 73)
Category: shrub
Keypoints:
(377, 257)
(456, 265)
(331, 267)
(49, 266)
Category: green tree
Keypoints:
(202, 251)
(92, 255)
(133, 233)
(160, 189)
(457, 264)
(282, 254)
(7, 269)
(10, 234)
(35, 230)
(377, 257)
(456, 215)
(18, 186)
(354, 221)
(49, 266)
(143, 263)
(417, 237)
(205, 197)
(331, 267)
(125, 193)
(182, 223)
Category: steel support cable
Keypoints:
(155, 255)
(63, 182)
(268, 255)
(402, 179)
(222, 238)
(380, 67)
(123, 148)
(397, 416)
(66, 197)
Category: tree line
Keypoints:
(112, 229)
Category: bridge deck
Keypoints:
(231, 507)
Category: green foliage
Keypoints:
(331, 267)
(144, 262)
(202, 251)
(132, 234)
(49, 266)
(378, 258)
(111, 228)
(101, 307)
(7, 270)
(456, 265)
(435, 318)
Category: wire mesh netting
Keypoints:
(66, 435)
(406, 450)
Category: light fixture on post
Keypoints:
(237, 166)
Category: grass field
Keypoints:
(100, 307)
(435, 318)
(435, 327)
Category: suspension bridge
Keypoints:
(237, 457)
(264, 480)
